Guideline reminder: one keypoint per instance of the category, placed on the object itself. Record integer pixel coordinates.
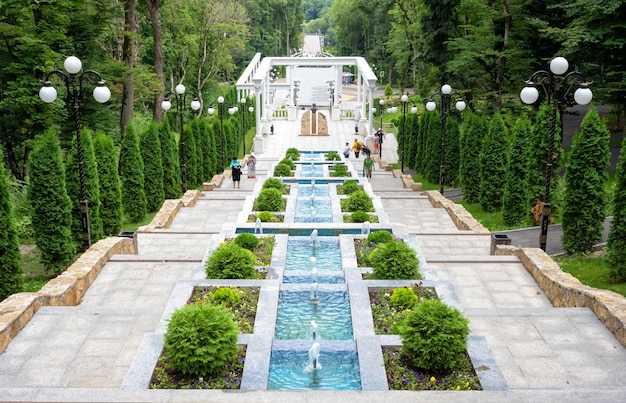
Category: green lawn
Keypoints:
(591, 271)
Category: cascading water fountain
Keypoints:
(314, 356)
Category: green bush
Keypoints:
(435, 336)
(288, 162)
(293, 154)
(360, 216)
(394, 261)
(231, 261)
(225, 295)
(358, 200)
(403, 298)
(378, 237)
(247, 241)
(269, 200)
(339, 170)
(274, 183)
(350, 186)
(265, 216)
(282, 170)
(333, 156)
(200, 340)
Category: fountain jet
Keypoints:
(314, 297)
(365, 229)
(314, 236)
(314, 330)
(314, 355)
(258, 227)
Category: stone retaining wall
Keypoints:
(461, 217)
(165, 216)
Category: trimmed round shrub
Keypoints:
(292, 153)
(360, 216)
(379, 237)
(231, 261)
(200, 340)
(225, 295)
(435, 336)
(333, 156)
(394, 261)
(358, 200)
(403, 298)
(265, 216)
(350, 187)
(339, 170)
(282, 170)
(269, 200)
(247, 241)
(288, 162)
(274, 183)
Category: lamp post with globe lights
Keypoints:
(446, 95)
(232, 109)
(179, 95)
(557, 86)
(75, 98)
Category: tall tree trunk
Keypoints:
(129, 57)
(157, 36)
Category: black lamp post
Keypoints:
(446, 96)
(557, 88)
(243, 102)
(220, 112)
(405, 100)
(75, 97)
(180, 95)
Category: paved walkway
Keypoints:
(84, 353)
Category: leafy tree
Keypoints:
(153, 168)
(169, 160)
(51, 208)
(473, 130)
(10, 256)
(132, 168)
(438, 28)
(92, 189)
(452, 152)
(515, 201)
(616, 243)
(110, 190)
(585, 199)
(493, 157)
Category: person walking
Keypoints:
(346, 151)
(368, 165)
(356, 147)
(251, 163)
(235, 166)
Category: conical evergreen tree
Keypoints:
(413, 139)
(420, 152)
(197, 137)
(205, 146)
(493, 157)
(616, 244)
(213, 160)
(110, 189)
(515, 202)
(229, 136)
(220, 151)
(432, 147)
(153, 168)
(473, 131)
(10, 256)
(92, 187)
(190, 157)
(51, 208)
(169, 156)
(132, 168)
(451, 177)
(584, 207)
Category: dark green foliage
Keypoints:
(169, 161)
(51, 208)
(403, 298)
(231, 261)
(269, 200)
(616, 243)
(350, 186)
(473, 131)
(200, 339)
(585, 199)
(205, 149)
(515, 201)
(220, 152)
(451, 176)
(247, 241)
(539, 142)
(196, 130)
(359, 216)
(153, 168)
(10, 256)
(333, 156)
(225, 295)
(431, 154)
(133, 194)
(435, 336)
(413, 128)
(265, 216)
(110, 190)
(288, 162)
(187, 151)
(493, 158)
(358, 200)
(394, 261)
(274, 183)
(92, 188)
(282, 170)
(212, 158)
(293, 154)
(379, 237)
(339, 170)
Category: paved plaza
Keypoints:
(84, 353)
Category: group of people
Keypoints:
(235, 166)
(357, 147)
